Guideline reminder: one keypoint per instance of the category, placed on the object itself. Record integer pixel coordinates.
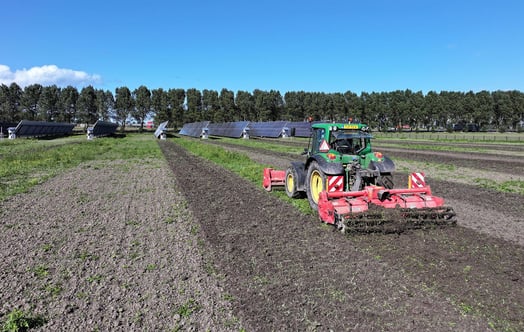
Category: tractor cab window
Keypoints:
(316, 139)
(349, 141)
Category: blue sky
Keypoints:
(316, 46)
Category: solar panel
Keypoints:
(161, 129)
(272, 129)
(27, 128)
(299, 129)
(228, 129)
(102, 128)
(194, 129)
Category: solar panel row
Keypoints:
(239, 129)
(194, 129)
(228, 129)
(27, 128)
(102, 128)
(299, 129)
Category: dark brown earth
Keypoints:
(286, 271)
(109, 247)
(185, 245)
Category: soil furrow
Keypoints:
(286, 271)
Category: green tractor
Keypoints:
(351, 186)
(339, 158)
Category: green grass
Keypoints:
(511, 186)
(25, 163)
(274, 145)
(483, 137)
(240, 164)
(18, 320)
(423, 147)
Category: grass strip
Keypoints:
(277, 145)
(25, 163)
(240, 164)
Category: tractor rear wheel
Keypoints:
(385, 180)
(291, 183)
(316, 183)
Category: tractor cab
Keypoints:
(349, 141)
(340, 140)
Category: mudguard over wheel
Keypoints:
(315, 184)
(292, 183)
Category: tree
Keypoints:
(68, 101)
(194, 106)
(4, 105)
(502, 110)
(226, 101)
(483, 114)
(176, 99)
(124, 104)
(210, 106)
(160, 105)
(353, 104)
(262, 108)
(10, 100)
(50, 103)
(105, 104)
(416, 102)
(87, 106)
(340, 108)
(142, 108)
(294, 106)
(30, 98)
(517, 109)
(245, 103)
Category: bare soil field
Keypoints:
(108, 247)
(186, 245)
(286, 271)
(454, 180)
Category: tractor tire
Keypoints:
(385, 180)
(315, 184)
(291, 183)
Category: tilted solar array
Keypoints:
(104, 128)
(161, 129)
(271, 129)
(27, 128)
(194, 129)
(299, 129)
(228, 129)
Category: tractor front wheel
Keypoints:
(291, 183)
(316, 183)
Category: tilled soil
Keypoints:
(477, 207)
(108, 247)
(286, 271)
(140, 245)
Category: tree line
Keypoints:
(500, 110)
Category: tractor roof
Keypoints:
(344, 134)
(345, 130)
(327, 125)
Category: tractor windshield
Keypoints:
(349, 141)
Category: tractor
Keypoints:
(351, 186)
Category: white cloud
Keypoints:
(47, 75)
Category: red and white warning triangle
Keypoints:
(324, 146)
